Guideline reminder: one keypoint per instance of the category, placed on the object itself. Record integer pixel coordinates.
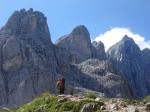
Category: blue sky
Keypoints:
(97, 15)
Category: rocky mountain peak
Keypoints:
(81, 33)
(81, 30)
(98, 45)
(25, 22)
(146, 56)
(129, 46)
(146, 51)
(78, 43)
(126, 38)
(99, 50)
(126, 46)
(127, 58)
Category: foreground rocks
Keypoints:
(70, 103)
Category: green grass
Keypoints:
(147, 99)
(91, 95)
(132, 101)
(10, 110)
(46, 101)
(50, 103)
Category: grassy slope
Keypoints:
(49, 103)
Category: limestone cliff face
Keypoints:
(27, 23)
(28, 63)
(127, 58)
(145, 65)
(78, 43)
(98, 51)
(107, 80)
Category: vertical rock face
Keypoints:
(126, 57)
(27, 23)
(27, 59)
(146, 64)
(78, 43)
(99, 50)
(107, 80)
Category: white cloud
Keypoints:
(114, 35)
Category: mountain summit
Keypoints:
(78, 43)
(27, 23)
(126, 56)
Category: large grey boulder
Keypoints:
(90, 107)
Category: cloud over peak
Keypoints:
(114, 35)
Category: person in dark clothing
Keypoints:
(61, 85)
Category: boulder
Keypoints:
(90, 107)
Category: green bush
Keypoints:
(147, 99)
(91, 95)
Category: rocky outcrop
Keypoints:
(28, 63)
(146, 63)
(98, 50)
(127, 59)
(108, 81)
(90, 107)
(79, 45)
(27, 24)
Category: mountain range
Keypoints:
(30, 63)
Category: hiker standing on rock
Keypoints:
(61, 85)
